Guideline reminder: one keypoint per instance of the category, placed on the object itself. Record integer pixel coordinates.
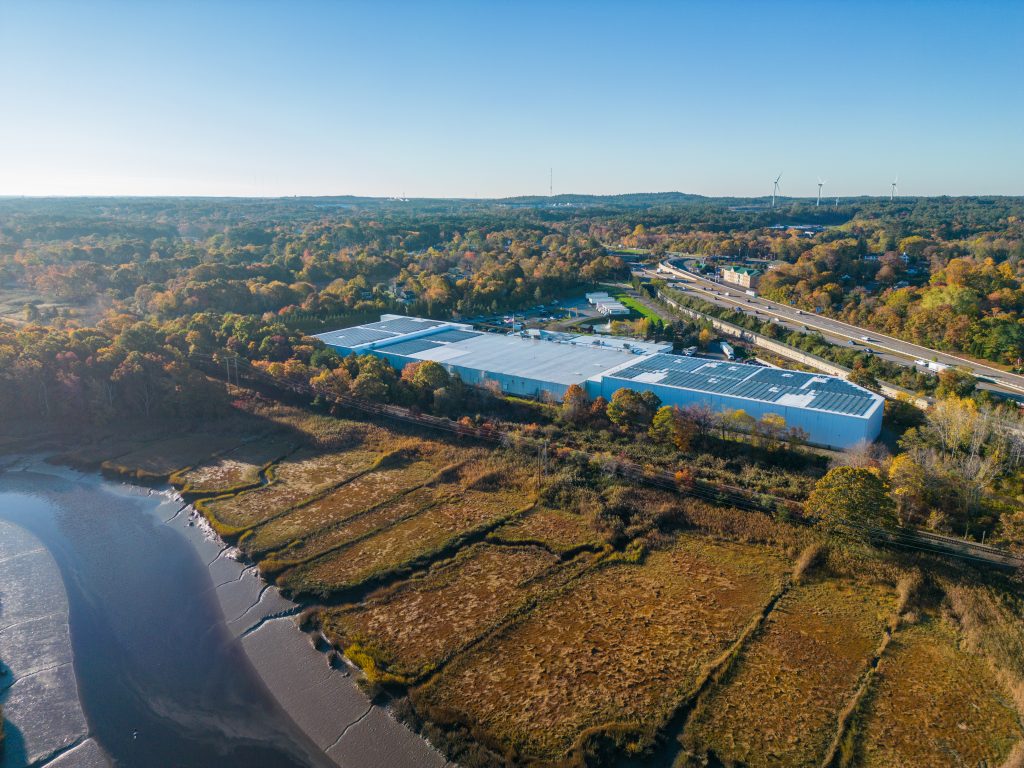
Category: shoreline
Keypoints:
(322, 700)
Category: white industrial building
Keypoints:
(832, 411)
(606, 305)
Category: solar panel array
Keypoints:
(840, 403)
(453, 334)
(750, 382)
(411, 346)
(351, 337)
(401, 325)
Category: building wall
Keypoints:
(833, 430)
(742, 279)
(511, 385)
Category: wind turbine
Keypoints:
(892, 189)
(820, 185)
(775, 189)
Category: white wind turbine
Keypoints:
(775, 189)
(892, 189)
(820, 185)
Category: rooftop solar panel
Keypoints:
(351, 337)
(453, 334)
(771, 385)
(411, 347)
(403, 325)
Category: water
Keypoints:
(161, 680)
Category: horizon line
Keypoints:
(564, 195)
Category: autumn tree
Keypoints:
(332, 383)
(629, 408)
(955, 382)
(670, 426)
(851, 501)
(575, 406)
(908, 485)
(705, 337)
(863, 376)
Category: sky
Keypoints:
(485, 99)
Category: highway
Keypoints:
(836, 331)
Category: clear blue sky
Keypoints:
(480, 99)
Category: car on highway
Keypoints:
(865, 338)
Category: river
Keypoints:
(164, 630)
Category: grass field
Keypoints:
(558, 530)
(779, 705)
(354, 497)
(619, 650)
(295, 480)
(315, 543)
(396, 548)
(410, 629)
(639, 308)
(933, 704)
(234, 469)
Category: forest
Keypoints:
(110, 308)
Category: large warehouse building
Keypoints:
(832, 411)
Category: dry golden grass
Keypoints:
(556, 529)
(297, 479)
(233, 469)
(357, 527)
(315, 430)
(780, 703)
(620, 649)
(352, 498)
(992, 624)
(420, 623)
(394, 548)
(933, 704)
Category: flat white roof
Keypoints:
(529, 358)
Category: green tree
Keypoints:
(851, 501)
(862, 376)
(425, 376)
(663, 425)
(955, 382)
(629, 408)
(669, 425)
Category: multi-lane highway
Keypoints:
(903, 352)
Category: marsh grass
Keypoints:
(614, 654)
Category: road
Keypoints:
(836, 331)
